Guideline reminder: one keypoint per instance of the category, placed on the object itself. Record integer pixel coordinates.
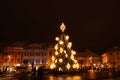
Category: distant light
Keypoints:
(29, 65)
(17, 64)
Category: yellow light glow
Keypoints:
(74, 66)
(53, 58)
(57, 38)
(77, 65)
(60, 60)
(75, 61)
(73, 52)
(60, 69)
(66, 37)
(65, 51)
(56, 61)
(17, 64)
(62, 27)
(66, 55)
(56, 47)
(52, 66)
(72, 57)
(90, 59)
(61, 50)
(69, 45)
(61, 42)
(56, 52)
(29, 65)
(68, 66)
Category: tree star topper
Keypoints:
(62, 27)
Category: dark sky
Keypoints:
(93, 24)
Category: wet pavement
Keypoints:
(84, 76)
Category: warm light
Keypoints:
(65, 51)
(69, 45)
(56, 52)
(30, 65)
(90, 59)
(94, 64)
(77, 65)
(62, 27)
(56, 61)
(61, 50)
(60, 69)
(74, 66)
(56, 47)
(66, 37)
(17, 64)
(73, 52)
(68, 66)
(53, 58)
(57, 38)
(60, 60)
(75, 61)
(66, 55)
(61, 42)
(72, 57)
(52, 66)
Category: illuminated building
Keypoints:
(88, 59)
(33, 54)
(111, 58)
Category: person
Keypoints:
(40, 72)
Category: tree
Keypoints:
(63, 58)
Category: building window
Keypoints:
(50, 53)
(25, 54)
(18, 60)
(117, 53)
(44, 61)
(36, 54)
(45, 53)
(18, 53)
(33, 54)
(12, 59)
(6, 53)
(111, 54)
(5, 59)
(42, 54)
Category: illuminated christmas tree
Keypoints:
(63, 58)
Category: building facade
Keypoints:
(111, 58)
(31, 55)
(88, 59)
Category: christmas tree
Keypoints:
(63, 58)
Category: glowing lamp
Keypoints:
(56, 47)
(60, 60)
(73, 52)
(68, 66)
(61, 50)
(66, 37)
(52, 66)
(56, 53)
(69, 45)
(53, 58)
(57, 38)
(61, 42)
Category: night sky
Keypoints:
(91, 24)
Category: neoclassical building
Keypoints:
(111, 58)
(35, 55)
(32, 55)
(88, 58)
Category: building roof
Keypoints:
(87, 53)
